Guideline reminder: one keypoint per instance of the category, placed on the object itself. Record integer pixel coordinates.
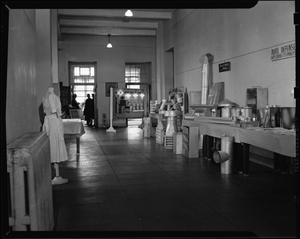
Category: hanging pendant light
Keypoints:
(109, 45)
(128, 13)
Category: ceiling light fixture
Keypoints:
(109, 45)
(128, 13)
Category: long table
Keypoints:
(74, 127)
(280, 144)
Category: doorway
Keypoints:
(82, 82)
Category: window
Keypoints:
(82, 80)
(136, 73)
(132, 75)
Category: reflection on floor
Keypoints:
(123, 182)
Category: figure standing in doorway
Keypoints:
(88, 110)
(74, 103)
(53, 125)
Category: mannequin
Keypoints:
(54, 127)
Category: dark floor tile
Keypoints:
(87, 163)
(231, 202)
(126, 226)
(260, 223)
(129, 160)
(118, 157)
(144, 178)
(79, 215)
(146, 167)
(111, 197)
(78, 196)
(75, 173)
(91, 228)
(116, 207)
(97, 182)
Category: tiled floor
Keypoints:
(124, 182)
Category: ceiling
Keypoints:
(99, 22)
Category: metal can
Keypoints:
(247, 111)
(226, 112)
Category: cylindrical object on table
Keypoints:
(226, 112)
(247, 111)
(274, 116)
(233, 112)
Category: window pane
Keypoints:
(133, 86)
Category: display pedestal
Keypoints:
(111, 129)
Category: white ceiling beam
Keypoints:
(104, 31)
(97, 23)
(112, 13)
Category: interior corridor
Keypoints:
(124, 182)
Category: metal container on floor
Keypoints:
(225, 155)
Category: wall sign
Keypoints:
(283, 52)
(224, 66)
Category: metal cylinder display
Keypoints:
(226, 112)
(225, 155)
(247, 111)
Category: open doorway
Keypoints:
(83, 82)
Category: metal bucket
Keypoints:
(247, 111)
(226, 112)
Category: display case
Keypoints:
(129, 103)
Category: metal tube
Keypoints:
(225, 155)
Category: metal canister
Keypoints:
(226, 112)
(247, 111)
(233, 112)
(274, 116)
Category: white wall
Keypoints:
(21, 102)
(110, 62)
(244, 37)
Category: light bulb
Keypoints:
(128, 13)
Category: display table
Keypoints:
(271, 139)
(74, 127)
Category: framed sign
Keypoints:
(224, 66)
(108, 85)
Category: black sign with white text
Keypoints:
(224, 66)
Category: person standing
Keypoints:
(53, 126)
(74, 103)
(88, 110)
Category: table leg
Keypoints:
(204, 149)
(276, 162)
(284, 164)
(210, 142)
(246, 159)
(78, 144)
(238, 156)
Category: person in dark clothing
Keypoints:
(74, 103)
(88, 110)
